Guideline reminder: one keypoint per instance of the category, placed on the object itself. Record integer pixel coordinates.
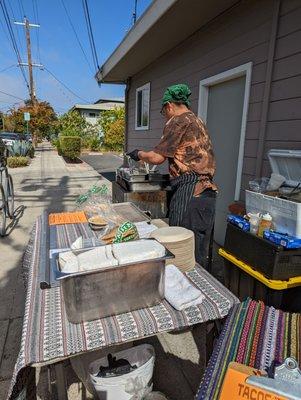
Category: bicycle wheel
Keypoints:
(2, 212)
(10, 197)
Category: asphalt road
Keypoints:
(105, 164)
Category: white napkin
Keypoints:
(144, 229)
(68, 262)
(179, 292)
(77, 244)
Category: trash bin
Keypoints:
(136, 383)
(244, 281)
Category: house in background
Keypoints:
(91, 112)
(242, 61)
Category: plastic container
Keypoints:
(134, 385)
(275, 181)
(81, 363)
(273, 261)
(286, 163)
(254, 220)
(244, 282)
(265, 224)
(286, 213)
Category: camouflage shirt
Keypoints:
(187, 145)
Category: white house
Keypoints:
(91, 112)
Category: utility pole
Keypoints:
(29, 63)
(31, 83)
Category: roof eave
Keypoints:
(151, 15)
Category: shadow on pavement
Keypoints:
(18, 213)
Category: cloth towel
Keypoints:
(179, 292)
(144, 229)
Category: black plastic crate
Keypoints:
(273, 261)
(243, 286)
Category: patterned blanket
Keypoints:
(47, 334)
(254, 335)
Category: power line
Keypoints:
(90, 34)
(21, 8)
(65, 86)
(7, 68)
(11, 95)
(13, 14)
(76, 35)
(13, 39)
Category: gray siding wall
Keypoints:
(239, 36)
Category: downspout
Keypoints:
(267, 88)
(126, 105)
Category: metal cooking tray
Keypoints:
(129, 211)
(109, 291)
(143, 186)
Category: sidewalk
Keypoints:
(47, 184)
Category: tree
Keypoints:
(112, 124)
(72, 124)
(43, 119)
(114, 136)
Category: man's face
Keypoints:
(168, 111)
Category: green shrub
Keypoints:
(58, 147)
(114, 136)
(94, 143)
(70, 146)
(17, 161)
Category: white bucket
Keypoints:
(135, 384)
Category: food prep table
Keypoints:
(48, 338)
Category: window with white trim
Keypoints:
(142, 107)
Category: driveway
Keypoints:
(105, 164)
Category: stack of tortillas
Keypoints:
(180, 242)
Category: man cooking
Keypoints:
(187, 146)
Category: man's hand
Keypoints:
(151, 157)
(134, 155)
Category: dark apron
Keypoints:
(183, 190)
(194, 213)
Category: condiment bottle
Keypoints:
(265, 224)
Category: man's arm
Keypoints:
(151, 157)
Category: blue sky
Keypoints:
(60, 51)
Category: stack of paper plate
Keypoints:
(180, 242)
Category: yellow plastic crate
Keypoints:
(270, 283)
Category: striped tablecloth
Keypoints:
(47, 334)
(254, 335)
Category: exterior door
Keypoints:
(225, 116)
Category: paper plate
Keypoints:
(172, 234)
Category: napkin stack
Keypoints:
(179, 292)
(180, 242)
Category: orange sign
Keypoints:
(67, 218)
(235, 386)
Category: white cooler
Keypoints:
(286, 213)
